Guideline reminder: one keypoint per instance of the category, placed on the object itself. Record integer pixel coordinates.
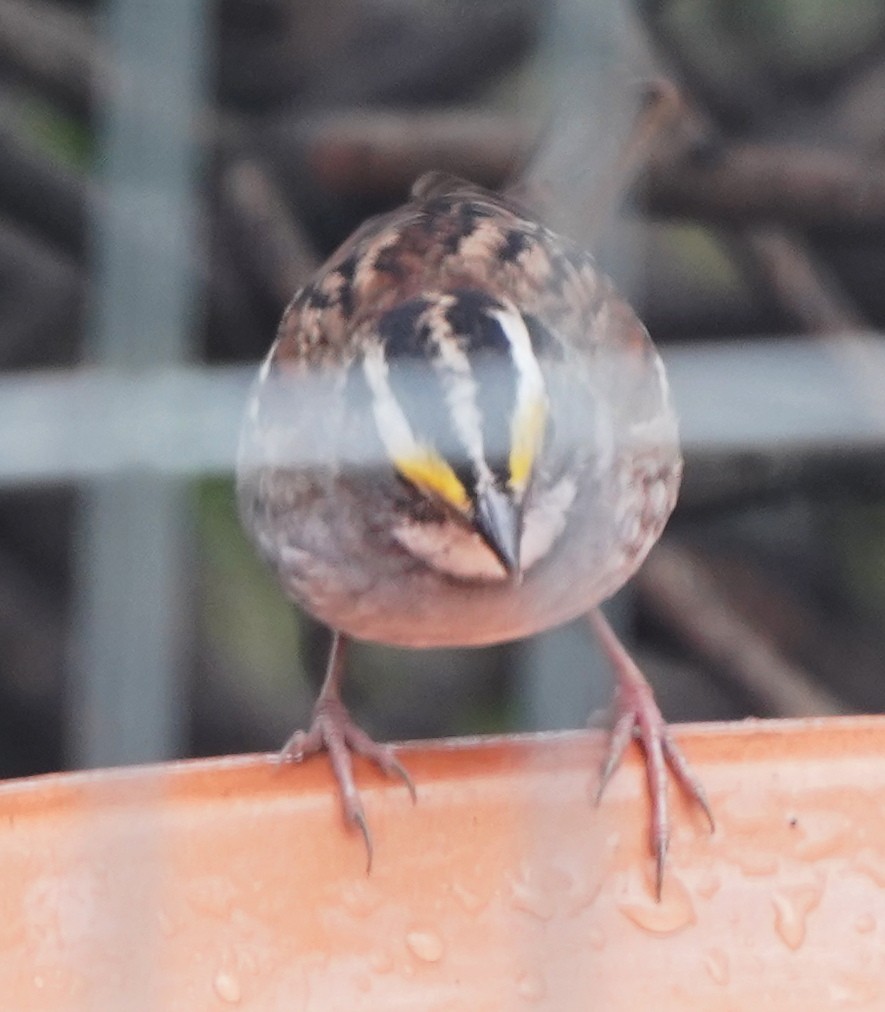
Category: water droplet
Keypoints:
(674, 912)
(871, 864)
(822, 835)
(532, 896)
(533, 902)
(584, 900)
(708, 885)
(864, 924)
(791, 908)
(531, 986)
(165, 923)
(250, 959)
(213, 896)
(597, 938)
(467, 898)
(361, 898)
(65, 907)
(716, 963)
(847, 990)
(382, 961)
(227, 987)
(755, 864)
(426, 945)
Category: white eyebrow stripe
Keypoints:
(459, 385)
(531, 388)
(390, 419)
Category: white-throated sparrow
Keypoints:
(462, 435)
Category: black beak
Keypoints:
(498, 521)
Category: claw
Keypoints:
(359, 819)
(333, 730)
(397, 768)
(660, 862)
(294, 749)
(686, 777)
(619, 739)
(638, 715)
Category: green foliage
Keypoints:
(858, 533)
(247, 618)
(67, 139)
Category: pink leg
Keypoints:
(333, 729)
(636, 714)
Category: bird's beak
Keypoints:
(498, 521)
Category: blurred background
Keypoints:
(171, 172)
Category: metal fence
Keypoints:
(140, 414)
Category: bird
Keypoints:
(462, 435)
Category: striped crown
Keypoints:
(458, 395)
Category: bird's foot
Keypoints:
(637, 715)
(333, 730)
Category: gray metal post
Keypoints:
(132, 548)
(561, 676)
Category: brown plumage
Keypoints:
(450, 235)
(462, 435)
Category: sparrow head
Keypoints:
(460, 404)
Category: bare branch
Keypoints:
(800, 283)
(682, 591)
(271, 243)
(53, 49)
(790, 184)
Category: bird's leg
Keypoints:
(636, 713)
(333, 729)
